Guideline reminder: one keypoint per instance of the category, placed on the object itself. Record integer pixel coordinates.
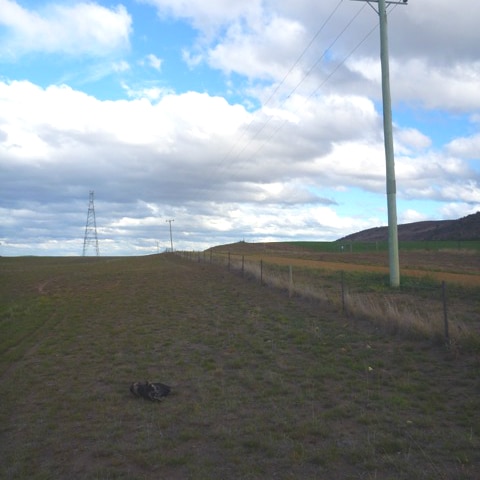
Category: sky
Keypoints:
(252, 121)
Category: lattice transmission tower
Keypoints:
(91, 227)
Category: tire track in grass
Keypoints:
(25, 340)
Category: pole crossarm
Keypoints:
(387, 2)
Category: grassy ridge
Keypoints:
(263, 386)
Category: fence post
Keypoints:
(445, 313)
(342, 283)
(228, 267)
(210, 256)
(243, 265)
(261, 272)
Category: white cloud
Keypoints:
(410, 216)
(154, 61)
(199, 146)
(409, 140)
(453, 87)
(438, 30)
(467, 192)
(466, 147)
(260, 53)
(74, 29)
(458, 209)
(121, 66)
(208, 18)
(151, 93)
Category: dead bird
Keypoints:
(150, 391)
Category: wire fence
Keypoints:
(444, 312)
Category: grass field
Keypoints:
(263, 386)
(359, 246)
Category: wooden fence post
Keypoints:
(243, 265)
(261, 272)
(342, 283)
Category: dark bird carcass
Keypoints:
(150, 391)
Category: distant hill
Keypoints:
(466, 228)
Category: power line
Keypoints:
(329, 76)
(307, 74)
(277, 88)
(347, 26)
(304, 52)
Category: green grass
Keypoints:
(382, 246)
(263, 386)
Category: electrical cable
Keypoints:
(307, 74)
(303, 53)
(329, 76)
(277, 88)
